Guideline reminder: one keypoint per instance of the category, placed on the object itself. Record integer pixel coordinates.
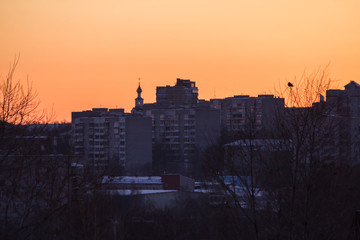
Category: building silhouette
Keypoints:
(344, 108)
(139, 101)
(181, 128)
(241, 110)
(184, 93)
(178, 128)
(109, 138)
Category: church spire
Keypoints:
(139, 101)
(139, 90)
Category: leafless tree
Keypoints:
(304, 196)
(33, 185)
(291, 178)
(19, 106)
(236, 166)
(307, 88)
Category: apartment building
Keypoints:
(183, 93)
(239, 111)
(344, 110)
(181, 128)
(106, 138)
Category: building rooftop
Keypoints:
(128, 192)
(352, 85)
(126, 179)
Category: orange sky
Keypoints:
(81, 54)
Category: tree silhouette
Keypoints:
(290, 180)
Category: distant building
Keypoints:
(132, 183)
(151, 192)
(177, 182)
(238, 111)
(184, 93)
(164, 182)
(111, 138)
(246, 157)
(181, 128)
(344, 108)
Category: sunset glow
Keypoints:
(84, 54)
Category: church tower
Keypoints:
(139, 101)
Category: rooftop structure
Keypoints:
(183, 93)
(139, 101)
(163, 182)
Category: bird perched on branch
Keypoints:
(290, 84)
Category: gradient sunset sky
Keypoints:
(81, 54)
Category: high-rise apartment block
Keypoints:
(344, 109)
(184, 130)
(238, 111)
(184, 93)
(109, 138)
(181, 129)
